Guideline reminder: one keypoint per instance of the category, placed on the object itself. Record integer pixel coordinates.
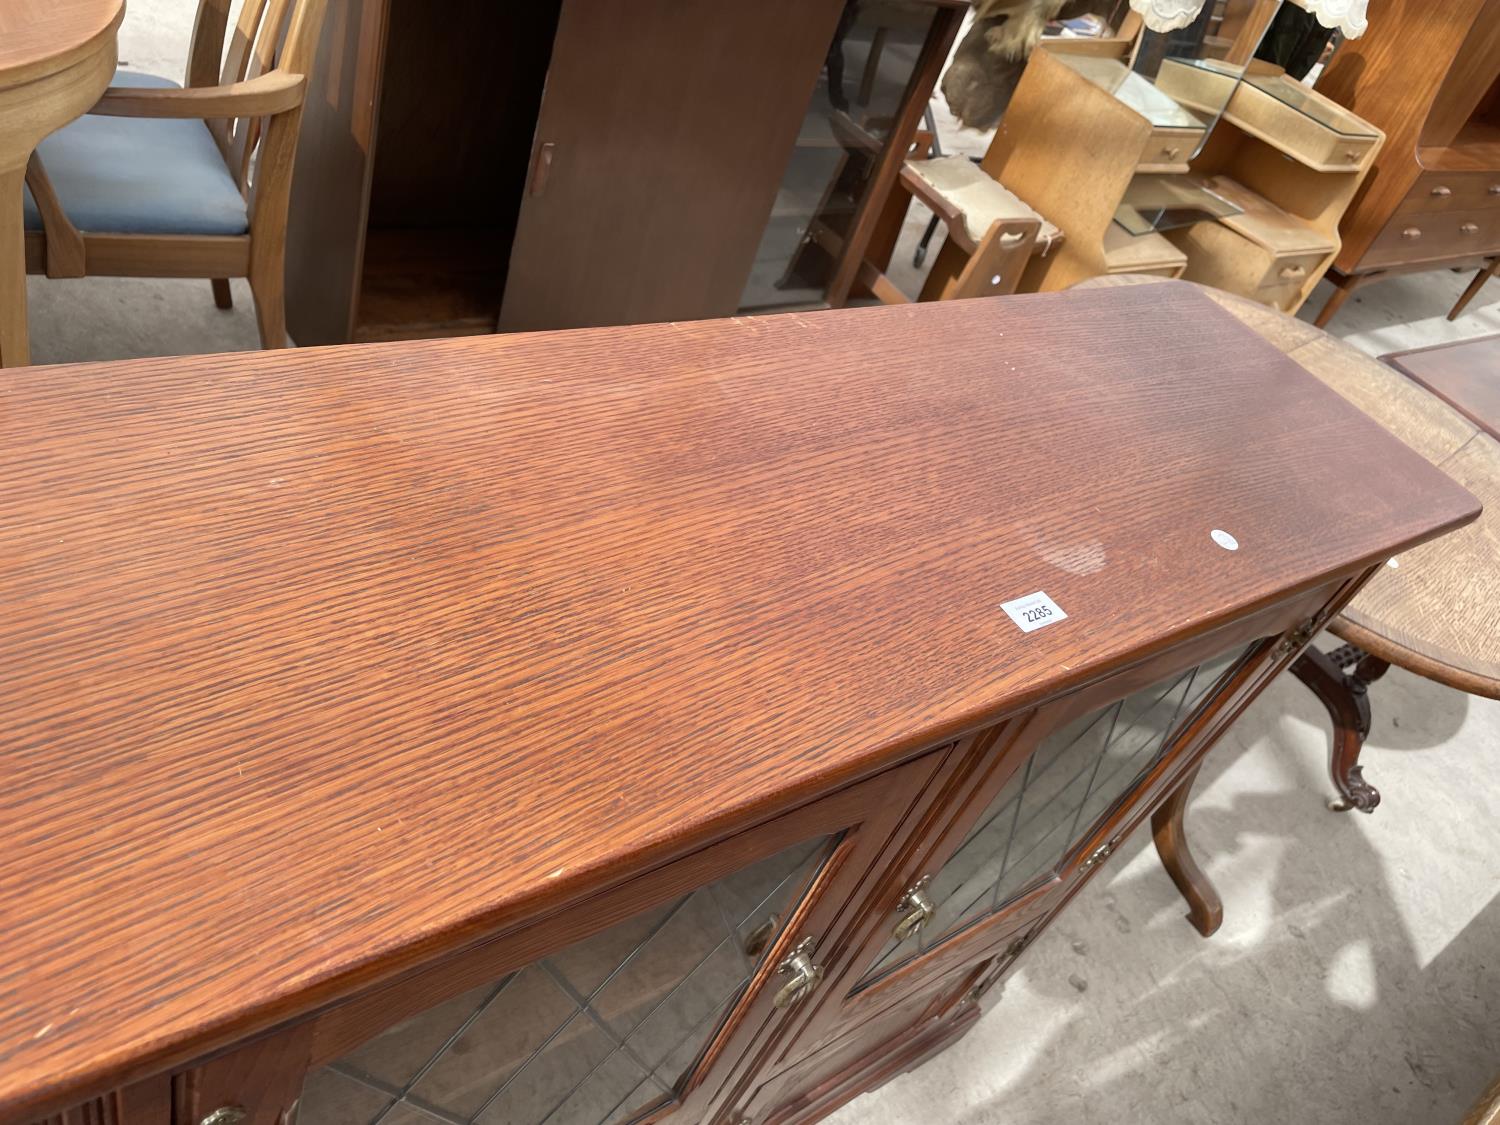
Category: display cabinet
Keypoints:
(693, 722)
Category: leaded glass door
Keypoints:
(1053, 802)
(622, 1025)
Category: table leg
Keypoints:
(1347, 699)
(1205, 908)
(14, 348)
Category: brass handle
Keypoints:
(1099, 854)
(1442, 192)
(542, 169)
(805, 976)
(226, 1115)
(916, 910)
(1470, 228)
(1293, 271)
(1412, 232)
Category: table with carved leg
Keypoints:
(56, 58)
(1434, 611)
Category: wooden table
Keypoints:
(56, 58)
(1434, 610)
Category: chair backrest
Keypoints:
(269, 35)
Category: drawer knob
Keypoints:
(1412, 232)
(1442, 192)
(916, 909)
(803, 973)
(1495, 189)
(1292, 271)
(1170, 152)
(1351, 155)
(226, 1115)
(1470, 228)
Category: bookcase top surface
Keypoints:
(313, 656)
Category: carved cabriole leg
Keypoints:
(1348, 705)
(1205, 908)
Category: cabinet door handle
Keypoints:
(916, 910)
(1442, 192)
(1099, 855)
(1470, 228)
(803, 973)
(542, 169)
(1412, 233)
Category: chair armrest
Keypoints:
(257, 97)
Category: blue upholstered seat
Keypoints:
(129, 175)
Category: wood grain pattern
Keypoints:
(55, 59)
(322, 662)
(1437, 613)
(41, 37)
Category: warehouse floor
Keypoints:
(1357, 975)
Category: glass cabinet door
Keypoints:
(605, 1030)
(1051, 804)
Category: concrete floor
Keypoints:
(1357, 975)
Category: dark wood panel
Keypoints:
(331, 179)
(323, 662)
(1464, 375)
(458, 106)
(666, 152)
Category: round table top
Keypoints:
(40, 37)
(1436, 609)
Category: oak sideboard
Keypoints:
(686, 721)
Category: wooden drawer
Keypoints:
(1226, 259)
(1434, 236)
(1284, 113)
(1322, 135)
(1169, 149)
(1452, 191)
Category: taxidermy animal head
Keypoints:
(992, 56)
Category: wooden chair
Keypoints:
(993, 230)
(185, 181)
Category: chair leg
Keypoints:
(1333, 304)
(268, 287)
(222, 297)
(1205, 908)
(1475, 286)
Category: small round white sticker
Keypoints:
(1224, 539)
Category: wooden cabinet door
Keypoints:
(650, 998)
(1037, 809)
(663, 135)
